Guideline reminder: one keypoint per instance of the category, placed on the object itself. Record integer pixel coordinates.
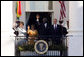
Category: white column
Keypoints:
(56, 8)
(7, 42)
(76, 28)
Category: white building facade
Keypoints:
(74, 13)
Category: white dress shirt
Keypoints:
(37, 20)
(55, 26)
(45, 25)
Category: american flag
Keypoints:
(62, 10)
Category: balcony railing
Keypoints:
(58, 48)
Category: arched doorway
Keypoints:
(32, 17)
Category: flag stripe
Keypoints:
(62, 10)
(18, 8)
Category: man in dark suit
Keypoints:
(56, 32)
(37, 22)
(45, 29)
(64, 30)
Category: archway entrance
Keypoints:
(31, 16)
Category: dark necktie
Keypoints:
(55, 26)
(38, 22)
